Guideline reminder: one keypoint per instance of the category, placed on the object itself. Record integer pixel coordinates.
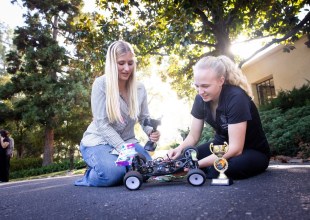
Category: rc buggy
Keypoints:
(140, 169)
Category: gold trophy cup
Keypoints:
(220, 164)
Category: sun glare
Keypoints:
(245, 49)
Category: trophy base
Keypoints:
(221, 182)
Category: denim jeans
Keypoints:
(102, 170)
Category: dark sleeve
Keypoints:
(239, 108)
(6, 139)
(198, 110)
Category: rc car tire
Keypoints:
(196, 177)
(133, 180)
(188, 151)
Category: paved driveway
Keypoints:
(282, 192)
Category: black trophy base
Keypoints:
(221, 182)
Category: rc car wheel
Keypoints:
(190, 152)
(196, 177)
(133, 180)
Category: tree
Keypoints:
(187, 30)
(45, 84)
(5, 45)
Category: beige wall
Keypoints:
(286, 69)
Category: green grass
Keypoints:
(48, 175)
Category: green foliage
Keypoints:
(288, 132)
(25, 164)
(170, 146)
(297, 97)
(206, 135)
(55, 167)
(47, 90)
(180, 32)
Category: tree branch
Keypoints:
(288, 35)
(204, 43)
(204, 18)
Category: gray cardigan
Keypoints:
(100, 131)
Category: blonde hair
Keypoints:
(115, 50)
(224, 66)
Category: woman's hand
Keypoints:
(154, 136)
(174, 153)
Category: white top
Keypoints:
(101, 131)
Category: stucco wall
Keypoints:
(286, 69)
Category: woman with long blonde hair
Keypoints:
(118, 101)
(224, 101)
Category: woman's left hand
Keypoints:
(154, 136)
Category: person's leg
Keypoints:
(2, 167)
(139, 149)
(249, 163)
(204, 151)
(102, 170)
(7, 168)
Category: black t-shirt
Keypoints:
(234, 106)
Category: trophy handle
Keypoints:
(211, 148)
(226, 146)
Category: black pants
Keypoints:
(4, 168)
(249, 163)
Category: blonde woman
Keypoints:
(224, 101)
(118, 101)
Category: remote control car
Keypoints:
(140, 169)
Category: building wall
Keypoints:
(288, 70)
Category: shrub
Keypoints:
(55, 167)
(287, 132)
(25, 163)
(206, 135)
(288, 99)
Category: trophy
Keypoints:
(220, 164)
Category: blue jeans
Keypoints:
(102, 170)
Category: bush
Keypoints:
(55, 167)
(287, 132)
(25, 163)
(288, 99)
(206, 135)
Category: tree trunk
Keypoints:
(71, 156)
(49, 130)
(20, 151)
(48, 146)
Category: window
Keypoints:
(265, 91)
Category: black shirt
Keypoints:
(234, 106)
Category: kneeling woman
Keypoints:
(117, 102)
(224, 101)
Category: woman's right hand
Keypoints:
(174, 153)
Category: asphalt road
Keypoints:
(282, 192)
